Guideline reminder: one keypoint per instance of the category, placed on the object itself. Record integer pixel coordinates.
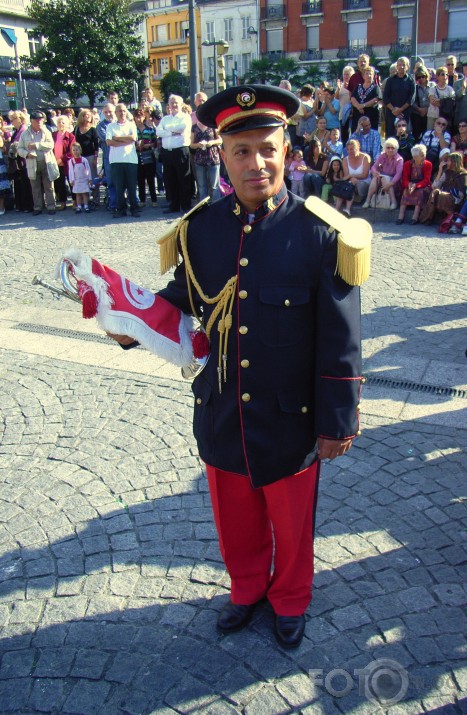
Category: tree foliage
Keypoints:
(174, 82)
(268, 71)
(90, 46)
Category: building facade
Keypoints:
(316, 31)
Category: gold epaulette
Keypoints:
(168, 242)
(353, 241)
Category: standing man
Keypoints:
(282, 387)
(36, 145)
(363, 62)
(398, 96)
(451, 64)
(175, 131)
(108, 111)
(460, 90)
(121, 137)
(151, 100)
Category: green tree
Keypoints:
(287, 68)
(261, 71)
(174, 83)
(90, 47)
(334, 69)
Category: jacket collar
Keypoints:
(262, 210)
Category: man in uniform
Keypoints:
(281, 389)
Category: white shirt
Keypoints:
(169, 124)
(126, 153)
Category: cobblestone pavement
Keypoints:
(110, 574)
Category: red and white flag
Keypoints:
(124, 308)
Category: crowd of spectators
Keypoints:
(391, 145)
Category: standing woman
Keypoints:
(63, 140)
(365, 100)
(88, 138)
(21, 184)
(5, 187)
(440, 90)
(343, 95)
(145, 146)
(421, 103)
(206, 142)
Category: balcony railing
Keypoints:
(168, 43)
(402, 48)
(353, 51)
(457, 45)
(402, 2)
(275, 54)
(312, 7)
(7, 63)
(356, 4)
(273, 12)
(308, 55)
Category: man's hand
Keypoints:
(332, 448)
(121, 339)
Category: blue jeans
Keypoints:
(313, 184)
(110, 184)
(207, 178)
(125, 176)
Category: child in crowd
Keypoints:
(334, 147)
(335, 173)
(296, 175)
(79, 176)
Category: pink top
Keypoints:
(297, 175)
(391, 166)
(58, 146)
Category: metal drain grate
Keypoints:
(416, 387)
(64, 333)
(370, 380)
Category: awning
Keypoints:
(10, 34)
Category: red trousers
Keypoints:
(261, 528)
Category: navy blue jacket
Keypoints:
(294, 374)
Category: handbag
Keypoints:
(14, 167)
(343, 190)
(447, 108)
(380, 200)
(53, 172)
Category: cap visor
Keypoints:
(250, 123)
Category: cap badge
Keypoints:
(246, 99)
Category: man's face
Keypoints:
(109, 112)
(113, 97)
(200, 99)
(255, 164)
(149, 94)
(174, 106)
(450, 64)
(362, 62)
(37, 124)
(401, 68)
(365, 126)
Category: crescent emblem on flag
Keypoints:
(138, 297)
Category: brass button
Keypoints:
(243, 262)
(304, 409)
(245, 363)
(243, 330)
(247, 228)
(199, 401)
(363, 380)
(358, 433)
(246, 397)
(287, 303)
(243, 294)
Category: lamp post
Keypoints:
(224, 47)
(194, 71)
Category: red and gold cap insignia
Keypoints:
(246, 100)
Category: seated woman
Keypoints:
(416, 183)
(459, 141)
(321, 133)
(386, 172)
(449, 188)
(316, 167)
(357, 171)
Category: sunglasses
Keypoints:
(449, 64)
(441, 124)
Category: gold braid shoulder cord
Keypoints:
(223, 302)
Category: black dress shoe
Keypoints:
(399, 221)
(118, 214)
(413, 221)
(36, 212)
(233, 617)
(289, 630)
